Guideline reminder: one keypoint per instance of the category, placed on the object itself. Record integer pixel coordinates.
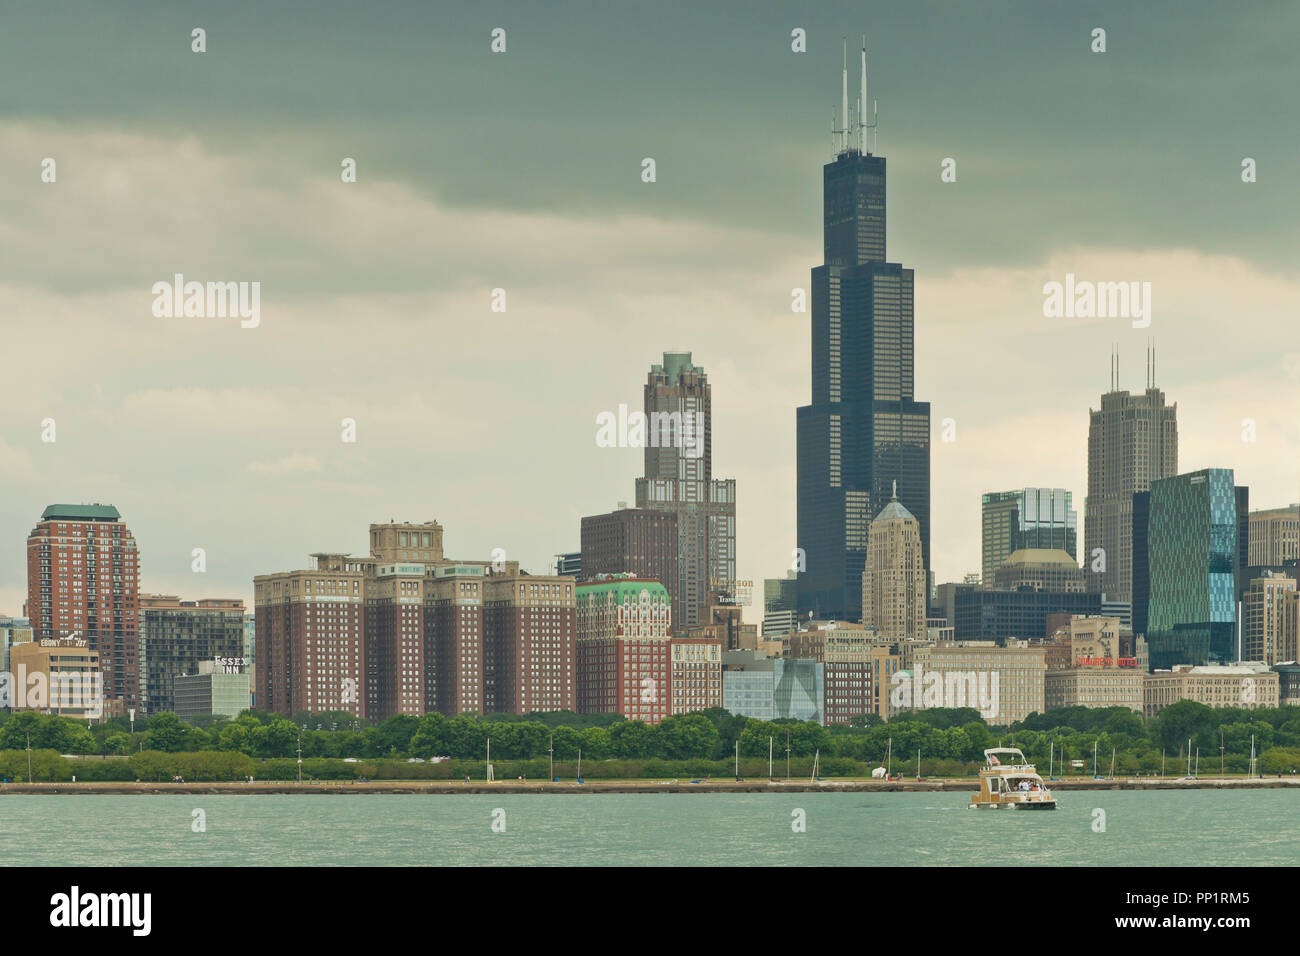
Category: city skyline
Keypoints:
(207, 435)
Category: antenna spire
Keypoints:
(844, 98)
(864, 103)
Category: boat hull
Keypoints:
(1014, 805)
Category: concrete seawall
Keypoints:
(637, 786)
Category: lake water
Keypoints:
(1161, 828)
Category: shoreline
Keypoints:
(631, 786)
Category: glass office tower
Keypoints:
(1194, 557)
(1026, 518)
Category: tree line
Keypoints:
(958, 736)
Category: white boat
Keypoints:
(1010, 782)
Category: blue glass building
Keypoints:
(1195, 554)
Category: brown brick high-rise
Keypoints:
(83, 580)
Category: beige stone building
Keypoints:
(56, 676)
(1246, 685)
(894, 579)
(1094, 687)
(1005, 684)
(695, 672)
(1274, 536)
(1268, 621)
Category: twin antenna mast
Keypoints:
(852, 136)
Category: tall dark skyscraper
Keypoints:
(864, 430)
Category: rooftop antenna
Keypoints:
(864, 104)
(844, 97)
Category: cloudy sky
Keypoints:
(521, 171)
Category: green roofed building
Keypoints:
(80, 513)
(623, 647)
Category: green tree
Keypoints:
(166, 733)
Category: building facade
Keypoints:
(1268, 630)
(530, 635)
(1246, 685)
(695, 671)
(1195, 555)
(176, 635)
(83, 581)
(1132, 441)
(857, 669)
(894, 579)
(1094, 671)
(639, 541)
(623, 653)
(1274, 536)
(989, 614)
(219, 688)
(57, 676)
(780, 605)
(1038, 569)
(310, 646)
(1038, 518)
(773, 688)
(1005, 684)
(13, 630)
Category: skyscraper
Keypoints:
(679, 478)
(1267, 625)
(1132, 441)
(1039, 518)
(83, 581)
(893, 583)
(1195, 559)
(863, 430)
